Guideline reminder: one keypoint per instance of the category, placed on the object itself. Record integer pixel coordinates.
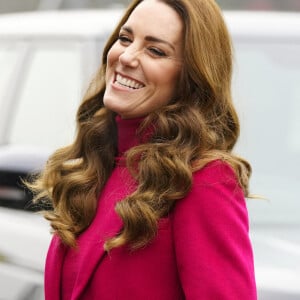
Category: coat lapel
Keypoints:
(91, 245)
(92, 251)
(106, 224)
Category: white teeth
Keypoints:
(127, 82)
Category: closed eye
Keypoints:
(124, 39)
(157, 52)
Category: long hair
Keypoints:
(198, 126)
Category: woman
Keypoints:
(149, 199)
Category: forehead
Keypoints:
(157, 18)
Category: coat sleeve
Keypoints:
(210, 230)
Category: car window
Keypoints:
(267, 93)
(9, 53)
(12, 56)
(50, 91)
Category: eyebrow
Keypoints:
(149, 38)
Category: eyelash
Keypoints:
(154, 51)
(157, 52)
(124, 39)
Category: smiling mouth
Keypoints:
(129, 83)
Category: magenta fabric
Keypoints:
(202, 249)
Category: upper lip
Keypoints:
(128, 77)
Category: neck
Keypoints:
(127, 133)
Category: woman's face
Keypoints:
(144, 64)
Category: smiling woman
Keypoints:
(144, 64)
(149, 200)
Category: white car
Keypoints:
(46, 62)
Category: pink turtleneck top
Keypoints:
(202, 249)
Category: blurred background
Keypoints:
(27, 5)
(50, 50)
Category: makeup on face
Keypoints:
(144, 64)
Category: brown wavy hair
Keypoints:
(199, 126)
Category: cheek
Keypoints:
(167, 87)
(112, 55)
(171, 78)
(110, 63)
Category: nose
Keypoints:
(130, 57)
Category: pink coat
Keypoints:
(202, 249)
